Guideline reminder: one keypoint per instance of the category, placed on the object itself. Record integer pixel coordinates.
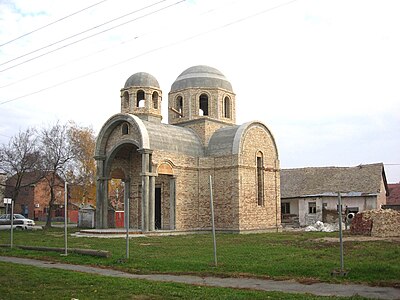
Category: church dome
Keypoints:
(142, 79)
(201, 77)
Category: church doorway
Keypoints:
(157, 208)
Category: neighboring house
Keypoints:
(311, 194)
(393, 200)
(166, 168)
(33, 199)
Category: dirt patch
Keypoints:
(359, 238)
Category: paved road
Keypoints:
(320, 289)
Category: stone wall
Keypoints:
(252, 215)
(190, 109)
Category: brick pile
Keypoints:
(360, 226)
(380, 222)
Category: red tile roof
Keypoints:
(394, 194)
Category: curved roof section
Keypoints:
(227, 140)
(201, 77)
(112, 122)
(221, 142)
(142, 79)
(155, 136)
(174, 138)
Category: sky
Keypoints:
(323, 75)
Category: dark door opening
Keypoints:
(157, 208)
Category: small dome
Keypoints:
(201, 77)
(142, 79)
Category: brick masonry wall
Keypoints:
(252, 215)
(205, 128)
(191, 105)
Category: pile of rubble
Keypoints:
(320, 226)
(379, 222)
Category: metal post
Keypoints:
(212, 221)
(66, 218)
(340, 233)
(126, 217)
(12, 223)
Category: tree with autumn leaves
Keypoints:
(82, 173)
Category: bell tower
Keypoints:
(202, 98)
(201, 92)
(142, 97)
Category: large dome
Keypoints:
(142, 79)
(201, 77)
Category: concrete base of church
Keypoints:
(121, 232)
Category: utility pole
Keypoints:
(66, 218)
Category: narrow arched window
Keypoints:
(125, 129)
(126, 99)
(260, 178)
(227, 107)
(203, 105)
(155, 100)
(179, 107)
(140, 98)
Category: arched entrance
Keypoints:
(124, 165)
(165, 191)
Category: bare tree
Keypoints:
(57, 154)
(19, 159)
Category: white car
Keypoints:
(19, 222)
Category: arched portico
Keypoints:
(116, 149)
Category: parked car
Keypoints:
(19, 222)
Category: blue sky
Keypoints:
(322, 75)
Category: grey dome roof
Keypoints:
(142, 79)
(201, 77)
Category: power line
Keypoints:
(91, 54)
(82, 32)
(52, 23)
(150, 51)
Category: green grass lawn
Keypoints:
(289, 255)
(26, 282)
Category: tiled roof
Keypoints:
(359, 180)
(394, 194)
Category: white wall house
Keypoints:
(311, 194)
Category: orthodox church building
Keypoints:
(166, 168)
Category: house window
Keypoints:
(312, 207)
(260, 179)
(155, 100)
(285, 208)
(227, 108)
(125, 129)
(352, 210)
(140, 98)
(203, 105)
